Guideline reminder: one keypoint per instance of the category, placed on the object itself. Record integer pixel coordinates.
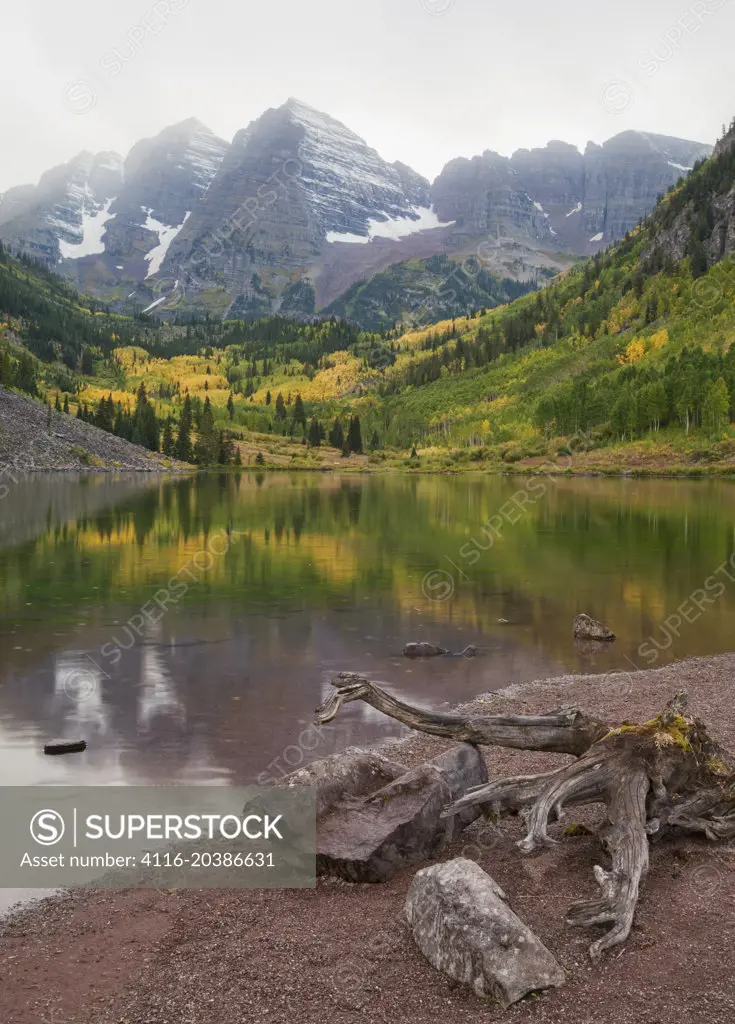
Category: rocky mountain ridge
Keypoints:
(698, 221)
(106, 223)
(298, 209)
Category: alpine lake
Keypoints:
(187, 627)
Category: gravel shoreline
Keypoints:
(341, 953)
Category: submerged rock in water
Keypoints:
(586, 628)
(462, 924)
(423, 650)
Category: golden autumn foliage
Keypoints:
(658, 340)
(621, 315)
(638, 347)
(633, 352)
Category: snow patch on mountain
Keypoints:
(598, 238)
(425, 219)
(93, 228)
(348, 183)
(166, 235)
(577, 209)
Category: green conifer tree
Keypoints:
(299, 416)
(315, 434)
(183, 441)
(336, 434)
(354, 435)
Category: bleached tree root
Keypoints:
(667, 776)
(566, 731)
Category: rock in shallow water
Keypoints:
(465, 929)
(586, 628)
(423, 650)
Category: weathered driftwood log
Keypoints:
(667, 776)
(65, 747)
(566, 731)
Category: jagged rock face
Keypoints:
(625, 176)
(711, 217)
(298, 209)
(293, 183)
(42, 219)
(726, 143)
(15, 201)
(344, 181)
(554, 175)
(164, 178)
(484, 197)
(105, 223)
(557, 198)
(169, 174)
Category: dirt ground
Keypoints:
(341, 953)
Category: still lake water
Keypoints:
(257, 589)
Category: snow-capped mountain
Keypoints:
(70, 203)
(347, 183)
(298, 208)
(106, 222)
(295, 185)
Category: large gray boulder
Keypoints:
(342, 777)
(462, 924)
(462, 767)
(586, 628)
(371, 839)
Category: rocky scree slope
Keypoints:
(27, 445)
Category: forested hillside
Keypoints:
(630, 351)
(423, 291)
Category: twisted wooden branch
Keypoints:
(566, 731)
(668, 775)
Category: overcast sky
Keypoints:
(421, 80)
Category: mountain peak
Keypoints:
(194, 124)
(190, 127)
(317, 120)
(294, 103)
